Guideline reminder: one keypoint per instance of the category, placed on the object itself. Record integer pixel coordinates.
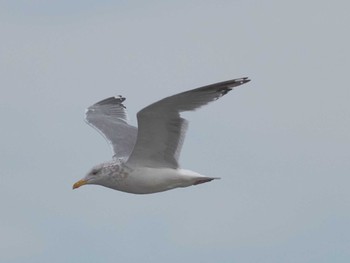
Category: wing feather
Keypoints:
(109, 118)
(161, 130)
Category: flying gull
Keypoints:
(145, 159)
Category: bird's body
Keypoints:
(146, 159)
(146, 180)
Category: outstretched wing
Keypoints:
(109, 117)
(161, 130)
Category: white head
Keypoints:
(99, 175)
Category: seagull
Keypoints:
(146, 158)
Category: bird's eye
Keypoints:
(94, 172)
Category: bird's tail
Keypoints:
(202, 180)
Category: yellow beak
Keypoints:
(79, 183)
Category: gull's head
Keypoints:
(95, 176)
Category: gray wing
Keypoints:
(109, 118)
(161, 130)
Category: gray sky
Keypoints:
(280, 143)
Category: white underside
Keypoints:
(144, 180)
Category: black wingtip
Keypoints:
(111, 100)
(243, 80)
(231, 84)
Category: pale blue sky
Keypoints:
(280, 143)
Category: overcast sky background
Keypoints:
(280, 143)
